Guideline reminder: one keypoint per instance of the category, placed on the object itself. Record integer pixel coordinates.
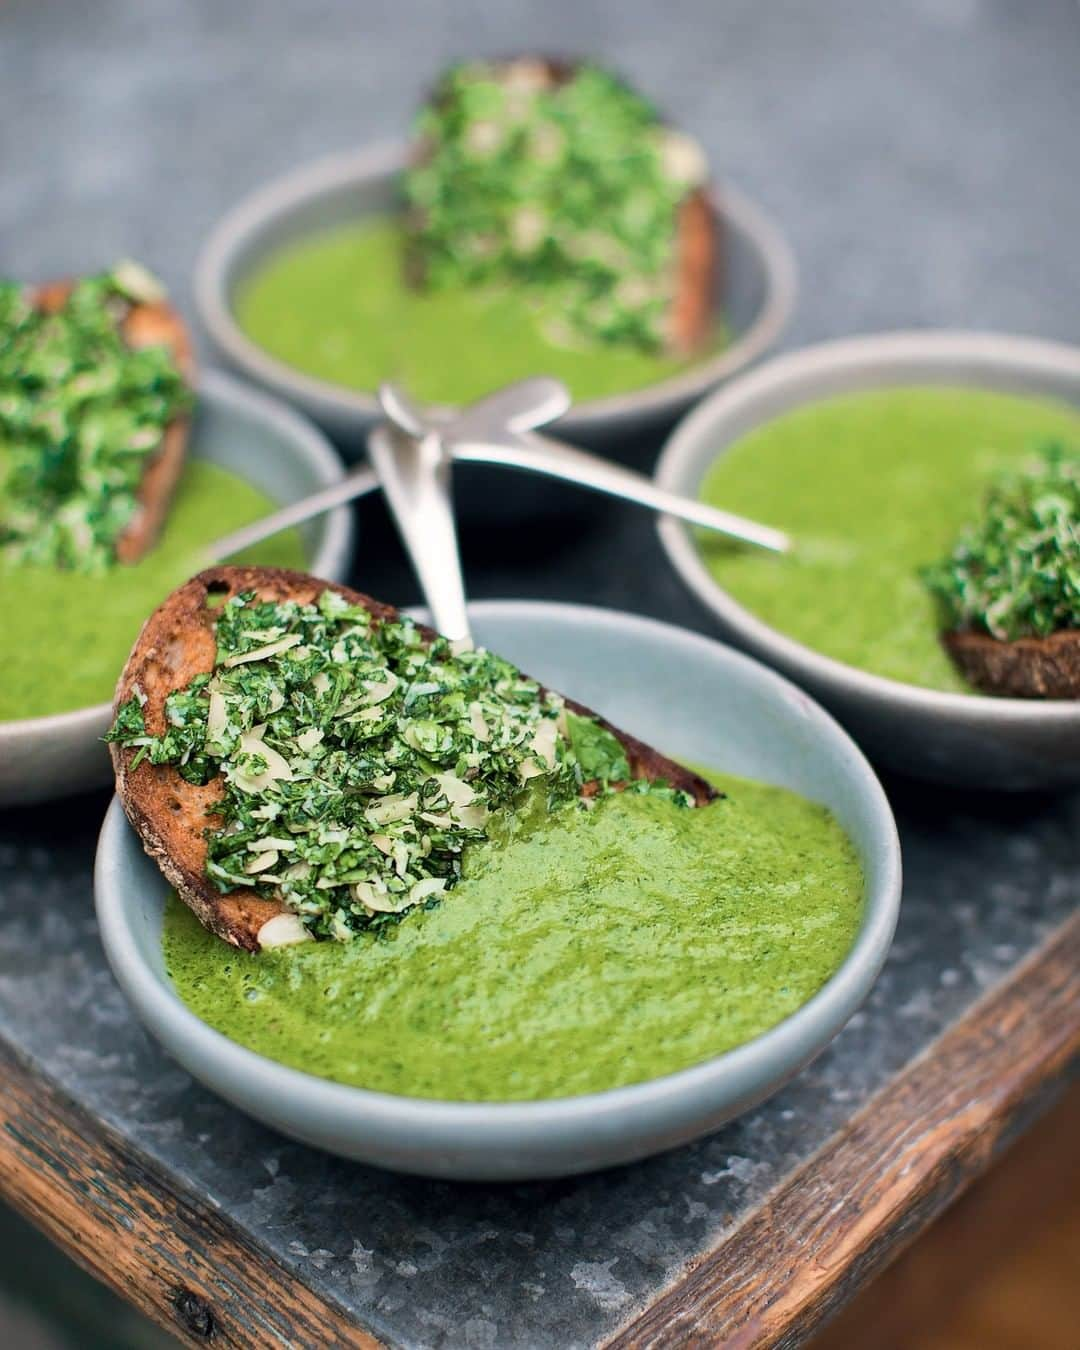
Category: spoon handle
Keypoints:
(356, 484)
(415, 476)
(520, 407)
(555, 459)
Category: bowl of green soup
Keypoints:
(876, 454)
(68, 633)
(303, 288)
(600, 984)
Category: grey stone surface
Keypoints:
(923, 158)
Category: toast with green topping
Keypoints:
(1008, 594)
(302, 761)
(96, 377)
(558, 177)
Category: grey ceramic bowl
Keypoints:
(256, 438)
(756, 295)
(686, 693)
(960, 739)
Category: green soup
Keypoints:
(335, 306)
(581, 952)
(872, 487)
(67, 634)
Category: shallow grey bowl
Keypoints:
(697, 699)
(257, 439)
(755, 297)
(961, 739)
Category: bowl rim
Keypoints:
(331, 557)
(230, 237)
(777, 1049)
(849, 357)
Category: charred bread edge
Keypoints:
(1033, 667)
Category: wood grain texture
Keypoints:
(869, 1192)
(180, 1262)
(997, 1270)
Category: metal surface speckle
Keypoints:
(127, 128)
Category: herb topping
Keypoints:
(1016, 572)
(81, 412)
(569, 185)
(360, 759)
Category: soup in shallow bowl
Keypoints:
(595, 988)
(875, 454)
(642, 936)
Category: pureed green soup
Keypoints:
(336, 306)
(68, 633)
(579, 952)
(872, 487)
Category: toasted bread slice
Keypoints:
(697, 230)
(176, 644)
(147, 324)
(1046, 667)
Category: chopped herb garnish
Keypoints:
(570, 188)
(81, 412)
(359, 760)
(1016, 572)
(599, 753)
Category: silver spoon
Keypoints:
(413, 463)
(357, 483)
(414, 472)
(500, 430)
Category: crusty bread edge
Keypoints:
(697, 263)
(1046, 668)
(146, 324)
(175, 644)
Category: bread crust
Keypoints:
(169, 814)
(1028, 667)
(149, 324)
(696, 267)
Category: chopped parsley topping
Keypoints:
(568, 187)
(81, 412)
(360, 759)
(1016, 572)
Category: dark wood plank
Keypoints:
(183, 1264)
(867, 1194)
(997, 1270)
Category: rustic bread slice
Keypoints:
(146, 324)
(697, 230)
(1029, 667)
(176, 644)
